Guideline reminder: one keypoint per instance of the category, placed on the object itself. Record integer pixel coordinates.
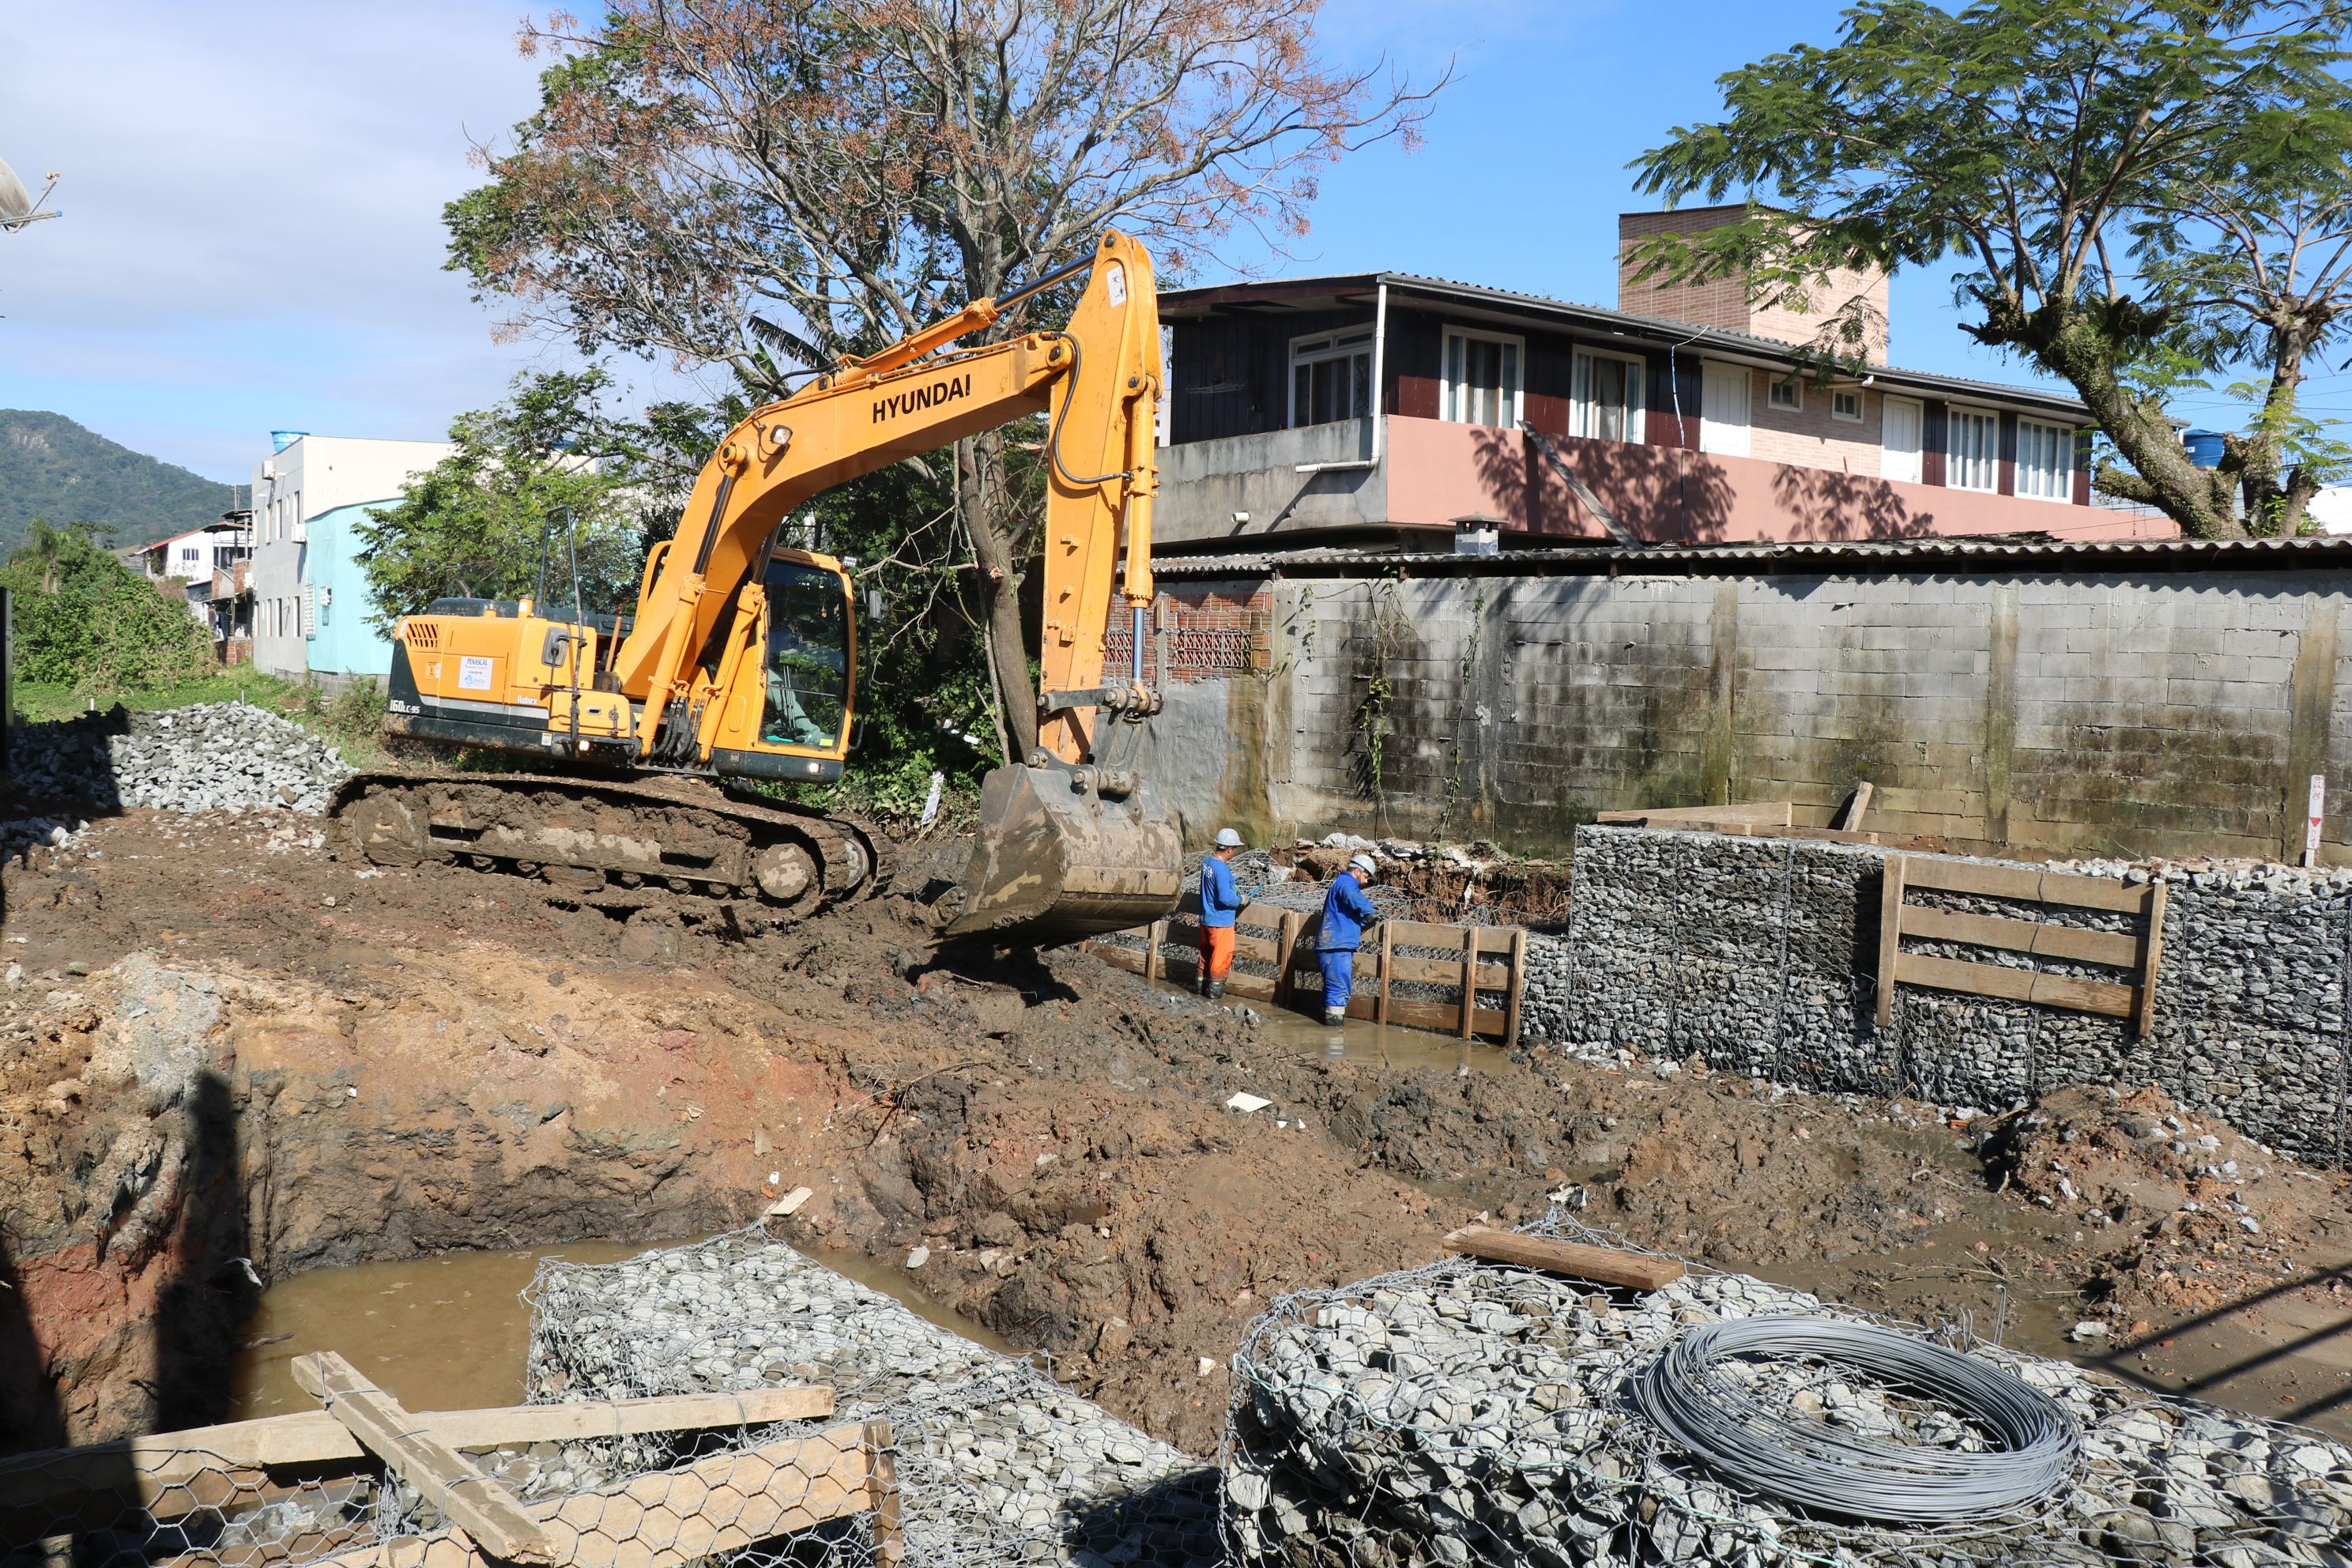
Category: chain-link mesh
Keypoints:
(819, 1496)
(1470, 1412)
(996, 1463)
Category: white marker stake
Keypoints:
(2310, 824)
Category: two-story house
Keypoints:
(1388, 409)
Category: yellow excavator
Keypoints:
(740, 661)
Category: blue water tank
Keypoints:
(281, 440)
(2204, 447)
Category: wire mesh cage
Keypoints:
(996, 1463)
(1468, 1412)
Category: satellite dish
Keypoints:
(18, 207)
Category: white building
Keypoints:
(308, 475)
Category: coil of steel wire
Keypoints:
(1690, 1397)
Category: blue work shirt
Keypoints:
(1220, 899)
(1346, 913)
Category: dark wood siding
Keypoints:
(1231, 373)
(1933, 439)
(2083, 468)
(1681, 386)
(1414, 365)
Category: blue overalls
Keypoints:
(1346, 912)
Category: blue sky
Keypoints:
(253, 189)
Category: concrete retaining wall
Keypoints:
(2175, 712)
(1760, 955)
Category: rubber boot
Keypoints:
(1216, 992)
(1334, 1016)
(1200, 984)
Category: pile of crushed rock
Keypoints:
(1470, 1413)
(214, 756)
(997, 1463)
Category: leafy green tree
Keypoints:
(2069, 153)
(86, 620)
(771, 184)
(500, 516)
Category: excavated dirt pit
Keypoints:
(226, 1050)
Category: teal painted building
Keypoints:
(341, 643)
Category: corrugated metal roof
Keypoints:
(1680, 333)
(1978, 554)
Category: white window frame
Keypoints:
(1580, 420)
(1953, 414)
(2063, 436)
(1775, 384)
(1449, 407)
(1315, 348)
(1860, 408)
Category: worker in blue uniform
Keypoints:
(1221, 902)
(1346, 913)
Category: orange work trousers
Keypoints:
(1216, 952)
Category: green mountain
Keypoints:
(51, 467)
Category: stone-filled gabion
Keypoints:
(999, 1465)
(1473, 1413)
(213, 756)
(1759, 955)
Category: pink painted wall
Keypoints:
(1438, 471)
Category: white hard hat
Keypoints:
(1362, 863)
(1228, 839)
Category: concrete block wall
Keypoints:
(1760, 956)
(2171, 713)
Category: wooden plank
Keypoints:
(2025, 884)
(1469, 981)
(1890, 933)
(882, 1487)
(2017, 984)
(2152, 956)
(172, 1473)
(637, 1523)
(1856, 808)
(1601, 1265)
(470, 1499)
(1442, 1017)
(1125, 958)
(1388, 967)
(1292, 920)
(1765, 813)
(1447, 971)
(1154, 934)
(2118, 948)
(1519, 987)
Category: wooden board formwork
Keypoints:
(171, 1474)
(2135, 953)
(1491, 959)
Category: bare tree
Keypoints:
(769, 184)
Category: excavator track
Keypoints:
(616, 840)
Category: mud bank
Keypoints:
(401, 1062)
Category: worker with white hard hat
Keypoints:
(1221, 902)
(1346, 912)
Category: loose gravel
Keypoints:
(998, 1464)
(213, 756)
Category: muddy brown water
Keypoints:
(449, 1332)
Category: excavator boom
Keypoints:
(740, 658)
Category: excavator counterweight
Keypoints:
(740, 660)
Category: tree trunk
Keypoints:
(2198, 499)
(2274, 504)
(980, 483)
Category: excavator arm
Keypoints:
(1070, 841)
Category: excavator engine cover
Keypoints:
(1055, 860)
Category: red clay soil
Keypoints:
(376, 1064)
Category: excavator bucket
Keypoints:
(1055, 860)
